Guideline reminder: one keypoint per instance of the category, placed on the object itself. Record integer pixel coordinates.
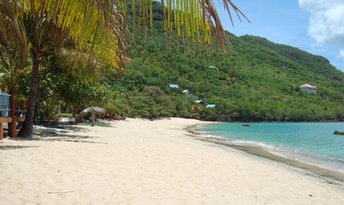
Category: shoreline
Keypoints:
(266, 121)
(328, 175)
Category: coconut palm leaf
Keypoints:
(198, 19)
(13, 44)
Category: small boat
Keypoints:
(338, 133)
(246, 125)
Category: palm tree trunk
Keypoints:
(27, 128)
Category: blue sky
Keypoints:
(316, 26)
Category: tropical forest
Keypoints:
(253, 80)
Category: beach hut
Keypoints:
(210, 106)
(308, 88)
(93, 113)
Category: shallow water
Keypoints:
(312, 143)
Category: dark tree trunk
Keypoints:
(26, 129)
(12, 126)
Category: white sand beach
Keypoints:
(149, 162)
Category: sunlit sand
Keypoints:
(149, 162)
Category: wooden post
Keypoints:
(3, 120)
(92, 117)
(1, 131)
(12, 126)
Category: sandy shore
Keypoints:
(149, 162)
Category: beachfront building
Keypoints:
(4, 104)
(308, 88)
(4, 112)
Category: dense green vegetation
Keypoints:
(256, 80)
(88, 36)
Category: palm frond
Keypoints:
(13, 42)
(197, 19)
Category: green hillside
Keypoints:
(256, 80)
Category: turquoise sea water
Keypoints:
(312, 143)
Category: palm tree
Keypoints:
(49, 21)
(98, 28)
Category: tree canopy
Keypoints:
(93, 32)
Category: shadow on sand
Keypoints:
(10, 147)
(57, 137)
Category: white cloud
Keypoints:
(326, 23)
(341, 53)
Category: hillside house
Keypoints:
(308, 88)
(186, 91)
(173, 86)
(210, 106)
(284, 67)
(201, 102)
(213, 67)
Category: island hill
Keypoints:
(255, 80)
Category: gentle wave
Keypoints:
(298, 154)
